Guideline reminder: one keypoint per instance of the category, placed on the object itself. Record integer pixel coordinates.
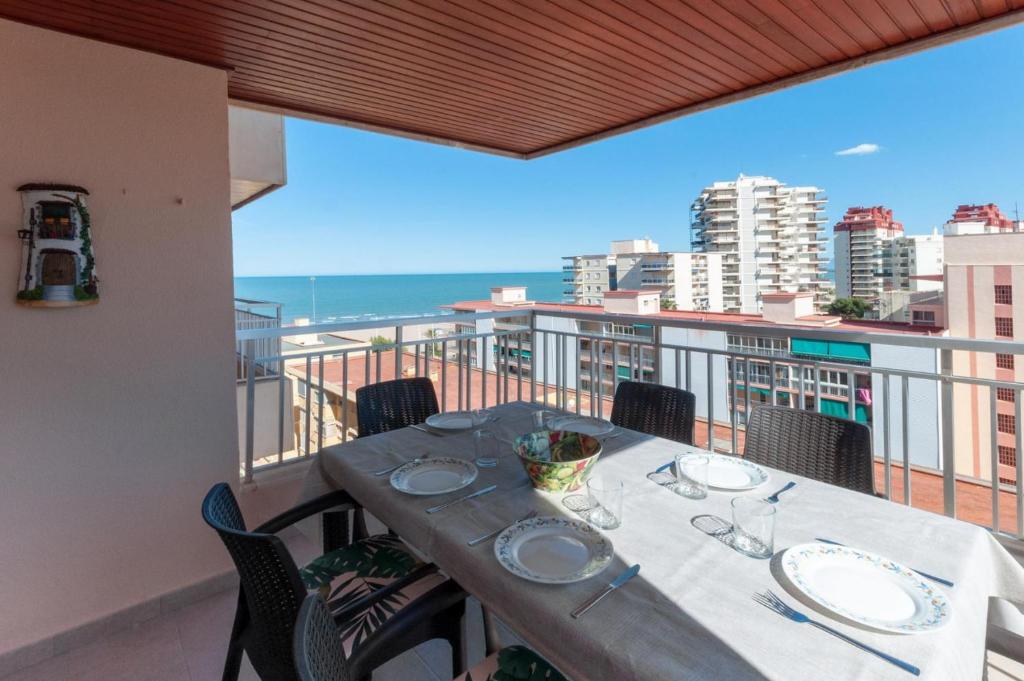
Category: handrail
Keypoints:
(364, 325)
(770, 331)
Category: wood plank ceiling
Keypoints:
(521, 78)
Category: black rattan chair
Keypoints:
(319, 657)
(370, 583)
(394, 404)
(655, 409)
(818, 446)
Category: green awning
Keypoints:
(840, 408)
(623, 372)
(843, 350)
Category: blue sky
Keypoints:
(948, 123)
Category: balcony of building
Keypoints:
(120, 416)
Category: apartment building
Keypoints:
(587, 278)
(984, 284)
(770, 236)
(600, 353)
(861, 239)
(978, 219)
(686, 281)
(912, 277)
(914, 263)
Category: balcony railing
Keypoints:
(247, 319)
(914, 391)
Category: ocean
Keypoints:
(345, 298)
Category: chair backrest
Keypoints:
(319, 655)
(394, 404)
(818, 446)
(271, 587)
(655, 409)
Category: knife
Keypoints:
(940, 580)
(616, 583)
(478, 493)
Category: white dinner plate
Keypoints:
(553, 550)
(454, 421)
(587, 425)
(866, 588)
(433, 476)
(732, 472)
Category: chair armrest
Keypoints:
(341, 616)
(335, 499)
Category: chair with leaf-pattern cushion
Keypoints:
(318, 657)
(383, 598)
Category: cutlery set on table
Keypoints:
(853, 585)
(557, 454)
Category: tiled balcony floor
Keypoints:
(189, 645)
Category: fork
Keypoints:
(481, 539)
(392, 469)
(774, 498)
(774, 603)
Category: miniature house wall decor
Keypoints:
(58, 268)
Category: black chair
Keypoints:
(319, 657)
(818, 446)
(394, 404)
(384, 600)
(655, 409)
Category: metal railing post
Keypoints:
(948, 442)
(250, 415)
(398, 353)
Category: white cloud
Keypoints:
(859, 150)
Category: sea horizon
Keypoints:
(345, 297)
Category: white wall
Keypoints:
(115, 418)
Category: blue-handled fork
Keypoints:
(774, 603)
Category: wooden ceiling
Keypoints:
(516, 77)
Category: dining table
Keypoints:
(691, 611)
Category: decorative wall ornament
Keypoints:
(58, 268)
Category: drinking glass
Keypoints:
(541, 418)
(605, 501)
(692, 475)
(753, 526)
(485, 443)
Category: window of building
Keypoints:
(1004, 361)
(1008, 456)
(1006, 394)
(924, 317)
(1006, 423)
(1004, 294)
(758, 345)
(1004, 327)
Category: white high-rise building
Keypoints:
(771, 238)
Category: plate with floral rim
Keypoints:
(553, 550)
(866, 588)
(732, 473)
(457, 421)
(436, 475)
(588, 425)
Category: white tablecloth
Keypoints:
(689, 614)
